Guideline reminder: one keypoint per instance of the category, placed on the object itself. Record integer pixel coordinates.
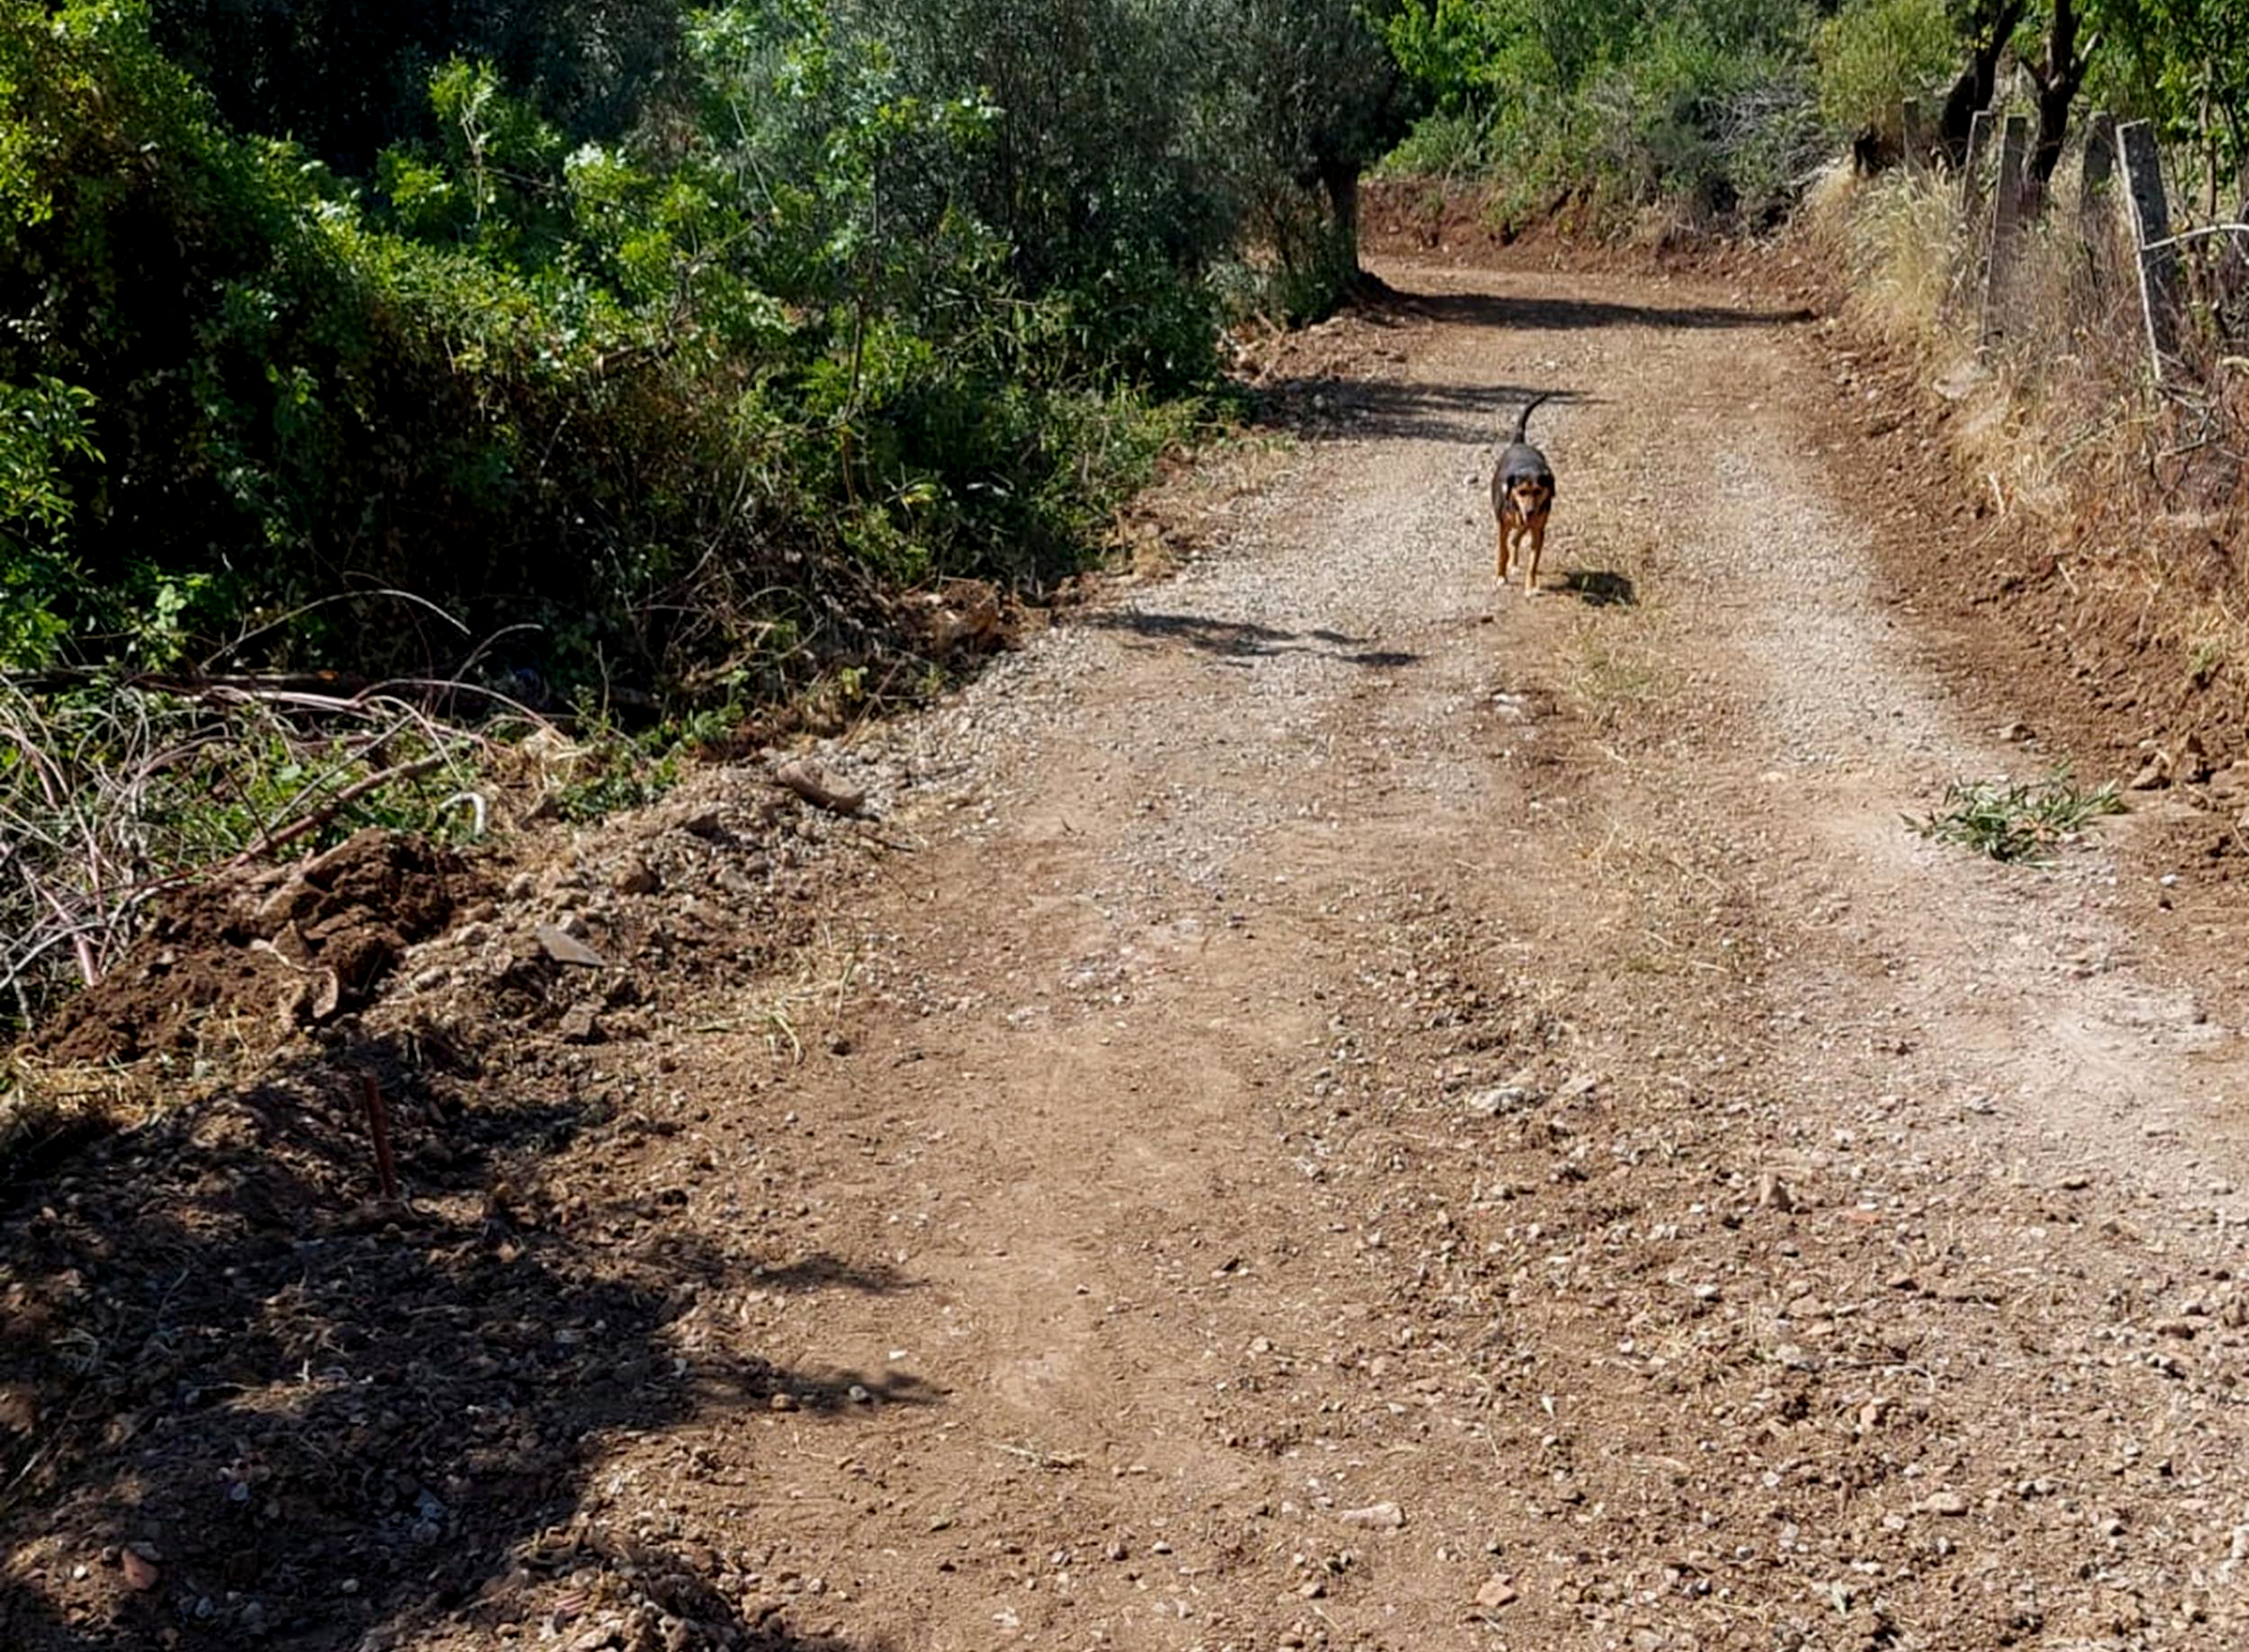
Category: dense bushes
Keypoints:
(1594, 108)
(1591, 110)
(1874, 55)
(650, 345)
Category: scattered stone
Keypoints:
(1500, 1098)
(566, 948)
(142, 1573)
(582, 1023)
(19, 1407)
(1950, 1504)
(1375, 1516)
(1772, 1192)
(808, 783)
(1497, 1592)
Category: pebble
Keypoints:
(1496, 1592)
(1375, 1516)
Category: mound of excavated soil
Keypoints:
(267, 951)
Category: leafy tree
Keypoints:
(1481, 54)
(1091, 155)
(2184, 64)
(1875, 54)
(1321, 100)
(347, 79)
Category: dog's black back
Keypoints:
(1519, 461)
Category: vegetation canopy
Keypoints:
(649, 345)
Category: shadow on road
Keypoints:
(1242, 639)
(1472, 414)
(1514, 312)
(318, 1420)
(1599, 588)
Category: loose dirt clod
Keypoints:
(248, 955)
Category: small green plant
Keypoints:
(2017, 820)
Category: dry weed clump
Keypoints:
(1897, 236)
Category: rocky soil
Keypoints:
(1317, 1104)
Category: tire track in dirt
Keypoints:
(1396, 1117)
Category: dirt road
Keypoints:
(1391, 1115)
(1382, 1114)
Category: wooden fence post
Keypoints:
(2100, 157)
(2096, 220)
(1914, 128)
(2014, 146)
(1972, 167)
(2150, 229)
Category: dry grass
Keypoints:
(1898, 236)
(44, 1107)
(2137, 491)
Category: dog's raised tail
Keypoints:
(1523, 419)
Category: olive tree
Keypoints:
(1315, 97)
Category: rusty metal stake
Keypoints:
(378, 1127)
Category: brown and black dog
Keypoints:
(1522, 498)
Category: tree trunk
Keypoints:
(2059, 79)
(1972, 90)
(1340, 179)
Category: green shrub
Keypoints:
(1595, 108)
(615, 404)
(1875, 54)
(1444, 144)
(42, 426)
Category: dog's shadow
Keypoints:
(1600, 588)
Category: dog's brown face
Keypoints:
(1530, 498)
